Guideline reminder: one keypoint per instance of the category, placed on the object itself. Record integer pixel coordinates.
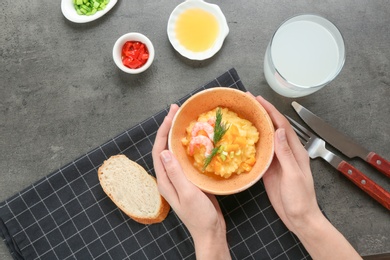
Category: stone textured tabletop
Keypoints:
(62, 95)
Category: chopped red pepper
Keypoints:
(134, 54)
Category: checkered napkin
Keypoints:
(66, 215)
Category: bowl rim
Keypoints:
(70, 13)
(271, 138)
(211, 8)
(132, 36)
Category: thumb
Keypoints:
(174, 171)
(284, 152)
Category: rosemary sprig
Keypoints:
(219, 130)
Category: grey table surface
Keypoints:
(61, 94)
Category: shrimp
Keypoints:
(205, 127)
(201, 140)
(211, 121)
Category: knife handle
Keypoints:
(381, 164)
(365, 183)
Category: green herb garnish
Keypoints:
(219, 130)
(208, 159)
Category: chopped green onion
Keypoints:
(89, 7)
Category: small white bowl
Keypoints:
(117, 51)
(211, 8)
(70, 13)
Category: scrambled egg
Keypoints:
(234, 153)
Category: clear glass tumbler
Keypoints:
(305, 54)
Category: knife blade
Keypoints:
(340, 141)
(384, 256)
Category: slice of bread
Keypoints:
(133, 190)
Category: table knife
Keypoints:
(340, 141)
(384, 256)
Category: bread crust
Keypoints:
(164, 206)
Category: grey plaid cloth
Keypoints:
(66, 215)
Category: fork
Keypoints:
(315, 147)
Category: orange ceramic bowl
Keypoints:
(246, 107)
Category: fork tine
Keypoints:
(303, 137)
(300, 127)
(300, 135)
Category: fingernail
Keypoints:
(165, 156)
(281, 134)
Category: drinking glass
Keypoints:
(305, 53)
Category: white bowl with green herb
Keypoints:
(84, 11)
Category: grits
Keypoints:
(236, 153)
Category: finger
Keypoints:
(166, 189)
(250, 94)
(165, 186)
(291, 169)
(160, 143)
(172, 111)
(281, 122)
(175, 174)
(271, 180)
(284, 168)
(277, 118)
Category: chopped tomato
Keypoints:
(134, 54)
(131, 63)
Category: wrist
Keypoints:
(310, 226)
(304, 221)
(211, 246)
(323, 241)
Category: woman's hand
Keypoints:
(290, 188)
(289, 181)
(199, 212)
